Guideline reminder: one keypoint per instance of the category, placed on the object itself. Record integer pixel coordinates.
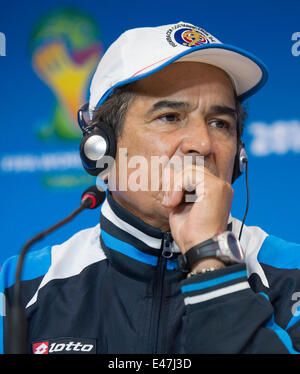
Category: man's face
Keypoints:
(186, 109)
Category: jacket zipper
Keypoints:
(158, 292)
(167, 245)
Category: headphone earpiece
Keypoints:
(98, 141)
(241, 158)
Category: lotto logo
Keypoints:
(64, 346)
(40, 348)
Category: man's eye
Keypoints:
(170, 117)
(220, 124)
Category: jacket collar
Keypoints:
(126, 237)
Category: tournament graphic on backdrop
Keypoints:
(65, 50)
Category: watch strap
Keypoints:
(208, 248)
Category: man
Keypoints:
(163, 272)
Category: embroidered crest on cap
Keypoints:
(188, 35)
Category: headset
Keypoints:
(99, 141)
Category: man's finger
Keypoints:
(177, 183)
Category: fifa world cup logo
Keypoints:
(65, 54)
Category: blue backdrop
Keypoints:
(41, 42)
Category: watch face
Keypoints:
(235, 247)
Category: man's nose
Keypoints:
(196, 138)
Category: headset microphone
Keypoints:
(17, 324)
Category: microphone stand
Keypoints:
(17, 324)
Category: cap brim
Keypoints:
(247, 72)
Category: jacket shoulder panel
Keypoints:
(74, 255)
(36, 264)
(252, 240)
(280, 253)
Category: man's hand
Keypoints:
(194, 222)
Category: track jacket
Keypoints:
(109, 289)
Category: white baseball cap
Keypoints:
(140, 52)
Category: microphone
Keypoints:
(91, 198)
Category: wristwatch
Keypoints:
(224, 246)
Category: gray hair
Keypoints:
(114, 109)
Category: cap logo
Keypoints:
(188, 35)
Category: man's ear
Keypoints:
(105, 177)
(108, 178)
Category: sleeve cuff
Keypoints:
(207, 286)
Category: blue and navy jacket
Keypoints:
(109, 289)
